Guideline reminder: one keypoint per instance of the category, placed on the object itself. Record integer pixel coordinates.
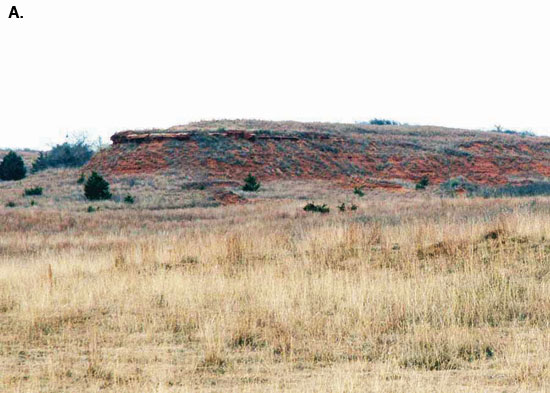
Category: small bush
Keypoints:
(359, 191)
(459, 183)
(91, 209)
(129, 199)
(33, 191)
(343, 207)
(12, 167)
(33, 203)
(311, 207)
(96, 188)
(251, 184)
(81, 179)
(501, 130)
(10, 204)
(455, 152)
(383, 122)
(423, 183)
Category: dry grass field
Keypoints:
(409, 293)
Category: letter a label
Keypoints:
(14, 13)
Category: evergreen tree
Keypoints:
(251, 184)
(423, 183)
(40, 163)
(12, 167)
(96, 187)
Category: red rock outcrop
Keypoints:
(350, 154)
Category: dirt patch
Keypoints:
(229, 198)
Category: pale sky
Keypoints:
(102, 66)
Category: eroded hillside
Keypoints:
(350, 154)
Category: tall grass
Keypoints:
(421, 294)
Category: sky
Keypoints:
(104, 66)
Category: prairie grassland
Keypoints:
(406, 294)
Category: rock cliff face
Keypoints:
(350, 154)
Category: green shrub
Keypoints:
(10, 204)
(65, 155)
(343, 207)
(455, 152)
(129, 199)
(39, 164)
(81, 179)
(251, 184)
(359, 191)
(423, 183)
(501, 130)
(12, 167)
(383, 122)
(91, 209)
(311, 207)
(33, 191)
(96, 188)
(33, 203)
(455, 184)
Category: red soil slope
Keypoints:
(350, 154)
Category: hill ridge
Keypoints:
(349, 154)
